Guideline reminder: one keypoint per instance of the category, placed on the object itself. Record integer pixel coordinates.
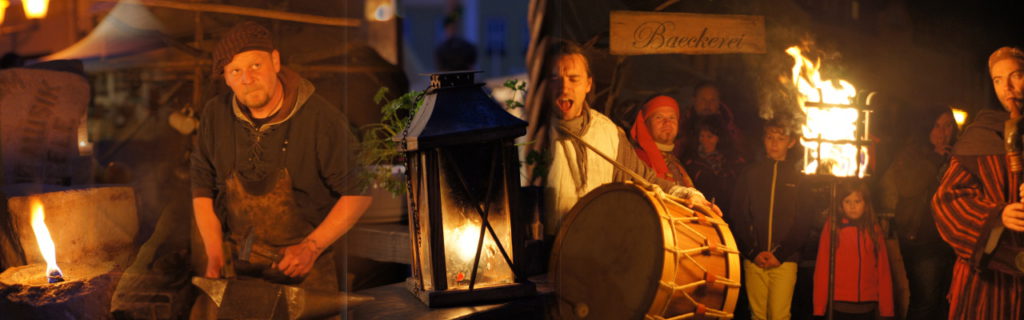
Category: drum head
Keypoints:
(607, 258)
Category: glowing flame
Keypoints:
(46, 247)
(465, 239)
(3, 9)
(35, 9)
(960, 116)
(830, 132)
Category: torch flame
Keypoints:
(960, 116)
(46, 247)
(831, 127)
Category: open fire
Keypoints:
(833, 143)
(46, 247)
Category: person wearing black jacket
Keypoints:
(767, 224)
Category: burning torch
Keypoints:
(835, 137)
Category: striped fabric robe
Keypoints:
(968, 207)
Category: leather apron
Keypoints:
(263, 218)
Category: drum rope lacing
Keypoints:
(701, 309)
(680, 254)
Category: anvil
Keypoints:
(259, 299)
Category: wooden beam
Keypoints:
(189, 65)
(245, 11)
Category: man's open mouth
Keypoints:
(564, 104)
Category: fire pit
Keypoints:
(91, 245)
(25, 292)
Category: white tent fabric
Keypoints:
(127, 29)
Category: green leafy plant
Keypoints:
(518, 89)
(379, 150)
(533, 157)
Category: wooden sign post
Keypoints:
(638, 33)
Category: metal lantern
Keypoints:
(835, 134)
(835, 139)
(466, 224)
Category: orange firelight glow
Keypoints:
(960, 116)
(3, 9)
(35, 9)
(829, 135)
(46, 247)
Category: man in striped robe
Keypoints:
(977, 207)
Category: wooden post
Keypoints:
(197, 84)
(245, 11)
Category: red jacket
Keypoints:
(862, 273)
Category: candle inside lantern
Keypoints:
(829, 134)
(465, 240)
(461, 244)
(45, 242)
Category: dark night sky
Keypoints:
(979, 25)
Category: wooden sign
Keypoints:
(637, 33)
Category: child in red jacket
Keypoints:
(863, 284)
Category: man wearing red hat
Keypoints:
(273, 170)
(654, 131)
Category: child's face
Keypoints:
(777, 142)
(853, 205)
(708, 141)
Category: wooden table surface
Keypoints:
(394, 301)
(388, 242)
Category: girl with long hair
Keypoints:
(863, 282)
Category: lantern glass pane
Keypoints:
(422, 221)
(462, 223)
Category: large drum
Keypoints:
(628, 253)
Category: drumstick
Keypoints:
(644, 183)
(618, 165)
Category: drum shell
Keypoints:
(635, 280)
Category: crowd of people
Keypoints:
(918, 228)
(945, 212)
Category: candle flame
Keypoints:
(465, 239)
(830, 132)
(46, 247)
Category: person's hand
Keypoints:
(298, 259)
(695, 197)
(715, 208)
(214, 264)
(772, 261)
(762, 259)
(1021, 191)
(1013, 216)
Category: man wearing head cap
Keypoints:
(273, 169)
(977, 206)
(575, 168)
(654, 131)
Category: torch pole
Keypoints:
(833, 218)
